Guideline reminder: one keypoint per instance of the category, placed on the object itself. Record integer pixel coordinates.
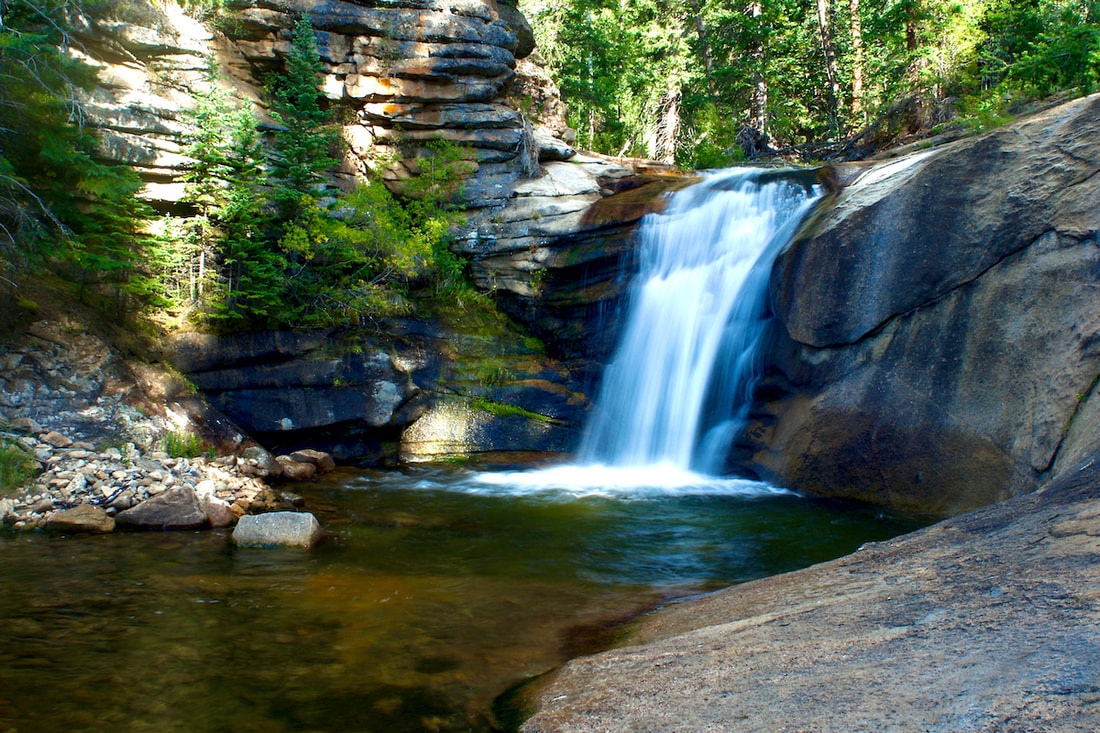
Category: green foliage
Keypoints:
(984, 113)
(184, 445)
(708, 142)
(268, 250)
(620, 65)
(17, 467)
(269, 245)
(303, 141)
(59, 206)
(630, 70)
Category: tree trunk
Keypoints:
(758, 111)
(670, 125)
(704, 41)
(857, 62)
(823, 12)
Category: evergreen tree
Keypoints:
(804, 73)
(59, 206)
(304, 139)
(228, 234)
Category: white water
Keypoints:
(678, 385)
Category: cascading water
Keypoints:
(698, 303)
(677, 387)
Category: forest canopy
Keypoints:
(700, 82)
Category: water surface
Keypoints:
(436, 591)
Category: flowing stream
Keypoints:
(433, 595)
(439, 588)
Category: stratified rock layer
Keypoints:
(404, 74)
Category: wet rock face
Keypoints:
(559, 255)
(939, 334)
(298, 390)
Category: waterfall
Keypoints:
(677, 388)
(696, 315)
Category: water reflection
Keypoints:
(428, 600)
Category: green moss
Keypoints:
(500, 409)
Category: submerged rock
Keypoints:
(293, 529)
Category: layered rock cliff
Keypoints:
(403, 72)
(397, 74)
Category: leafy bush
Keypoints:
(16, 466)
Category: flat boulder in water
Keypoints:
(177, 508)
(278, 529)
(81, 518)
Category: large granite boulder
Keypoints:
(939, 332)
(278, 529)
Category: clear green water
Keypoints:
(425, 603)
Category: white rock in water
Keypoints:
(295, 529)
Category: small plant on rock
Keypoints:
(16, 466)
(183, 445)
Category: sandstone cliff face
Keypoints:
(939, 330)
(404, 72)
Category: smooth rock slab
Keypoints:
(985, 622)
(278, 529)
(82, 518)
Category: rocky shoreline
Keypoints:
(102, 449)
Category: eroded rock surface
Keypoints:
(939, 332)
(986, 622)
(278, 529)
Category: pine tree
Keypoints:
(303, 142)
(59, 206)
(225, 185)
